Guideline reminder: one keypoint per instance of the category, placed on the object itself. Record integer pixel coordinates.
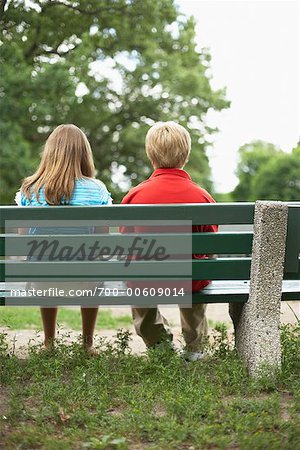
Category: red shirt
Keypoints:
(167, 186)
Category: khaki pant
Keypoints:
(154, 328)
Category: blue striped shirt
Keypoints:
(87, 192)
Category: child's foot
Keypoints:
(90, 350)
(192, 356)
(46, 347)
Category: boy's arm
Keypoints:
(126, 229)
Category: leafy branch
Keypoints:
(96, 11)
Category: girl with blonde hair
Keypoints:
(65, 176)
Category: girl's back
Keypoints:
(65, 177)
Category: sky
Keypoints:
(255, 51)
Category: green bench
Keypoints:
(244, 258)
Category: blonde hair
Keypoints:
(67, 155)
(168, 145)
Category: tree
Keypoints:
(267, 173)
(280, 180)
(111, 67)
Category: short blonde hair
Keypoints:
(168, 145)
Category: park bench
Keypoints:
(253, 271)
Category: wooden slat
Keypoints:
(220, 213)
(295, 274)
(218, 243)
(292, 276)
(291, 296)
(238, 291)
(222, 269)
(216, 292)
(214, 269)
(223, 243)
(293, 240)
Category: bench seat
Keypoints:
(218, 291)
(238, 291)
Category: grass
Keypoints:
(67, 400)
(22, 318)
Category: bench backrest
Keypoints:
(234, 246)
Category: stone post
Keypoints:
(257, 322)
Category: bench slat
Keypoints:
(214, 269)
(293, 239)
(229, 291)
(218, 243)
(211, 213)
(216, 292)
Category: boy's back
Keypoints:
(168, 186)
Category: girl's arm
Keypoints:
(23, 230)
(18, 200)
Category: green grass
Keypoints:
(21, 318)
(67, 400)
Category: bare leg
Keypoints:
(49, 323)
(89, 317)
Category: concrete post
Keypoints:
(257, 322)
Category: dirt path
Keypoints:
(19, 339)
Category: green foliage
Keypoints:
(291, 351)
(267, 173)
(223, 197)
(15, 158)
(64, 399)
(112, 68)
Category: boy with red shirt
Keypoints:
(168, 146)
